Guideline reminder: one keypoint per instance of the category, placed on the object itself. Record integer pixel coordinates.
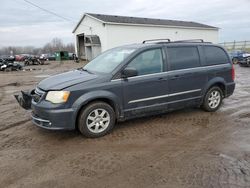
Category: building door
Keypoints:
(80, 46)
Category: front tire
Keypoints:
(213, 99)
(96, 119)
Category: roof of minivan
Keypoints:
(142, 45)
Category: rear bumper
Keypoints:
(229, 89)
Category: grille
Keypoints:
(38, 95)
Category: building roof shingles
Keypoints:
(147, 21)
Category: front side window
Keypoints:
(109, 60)
(148, 62)
(183, 57)
(215, 55)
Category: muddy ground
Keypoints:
(187, 148)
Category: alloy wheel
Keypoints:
(98, 120)
(214, 99)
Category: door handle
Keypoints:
(175, 77)
(162, 79)
(181, 75)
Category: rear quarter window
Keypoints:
(215, 55)
(183, 57)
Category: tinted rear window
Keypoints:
(183, 57)
(215, 55)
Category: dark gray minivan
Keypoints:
(132, 81)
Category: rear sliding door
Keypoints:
(186, 77)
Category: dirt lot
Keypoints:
(187, 148)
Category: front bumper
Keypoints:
(53, 119)
(244, 63)
(45, 114)
(43, 123)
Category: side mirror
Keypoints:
(129, 72)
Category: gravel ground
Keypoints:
(186, 148)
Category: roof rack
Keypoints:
(162, 41)
(155, 40)
(190, 40)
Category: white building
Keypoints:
(96, 33)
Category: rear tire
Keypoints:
(96, 119)
(213, 99)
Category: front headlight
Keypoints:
(57, 96)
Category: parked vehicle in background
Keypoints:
(132, 81)
(238, 55)
(3, 65)
(7, 58)
(51, 57)
(44, 57)
(21, 57)
(9, 65)
(48, 57)
(245, 61)
(33, 60)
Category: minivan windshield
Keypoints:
(109, 60)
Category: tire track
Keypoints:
(2, 93)
(14, 124)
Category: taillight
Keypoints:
(233, 72)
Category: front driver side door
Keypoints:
(148, 90)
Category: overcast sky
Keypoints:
(22, 24)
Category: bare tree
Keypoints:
(57, 44)
(70, 47)
(51, 47)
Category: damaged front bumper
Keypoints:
(24, 99)
(45, 114)
(245, 63)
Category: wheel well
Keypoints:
(221, 86)
(108, 101)
(218, 84)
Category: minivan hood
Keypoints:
(61, 81)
